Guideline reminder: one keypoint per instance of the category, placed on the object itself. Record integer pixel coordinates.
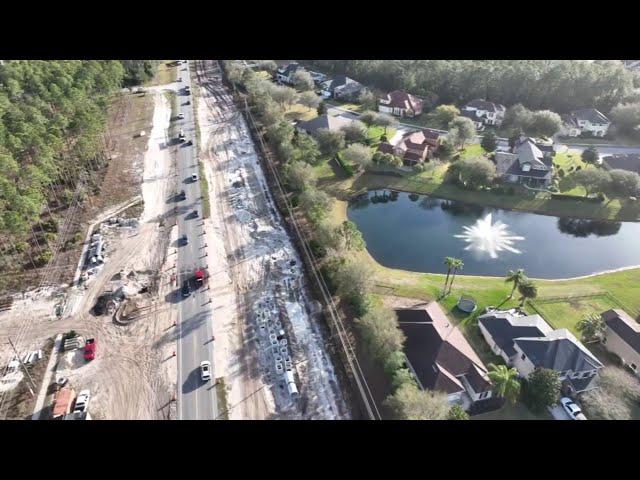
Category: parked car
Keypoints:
(82, 401)
(180, 116)
(186, 289)
(184, 240)
(182, 195)
(90, 349)
(195, 213)
(181, 136)
(572, 409)
(205, 370)
(194, 177)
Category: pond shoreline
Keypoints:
(377, 181)
(580, 245)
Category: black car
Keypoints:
(195, 214)
(182, 195)
(184, 240)
(186, 289)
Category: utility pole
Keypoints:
(25, 369)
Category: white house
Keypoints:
(285, 74)
(341, 86)
(570, 126)
(592, 121)
(488, 113)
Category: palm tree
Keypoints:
(517, 278)
(448, 261)
(528, 290)
(457, 265)
(505, 380)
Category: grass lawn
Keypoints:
(565, 313)
(374, 132)
(473, 150)
(300, 112)
(347, 106)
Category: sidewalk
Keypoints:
(42, 396)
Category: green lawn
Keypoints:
(347, 106)
(300, 112)
(472, 150)
(164, 74)
(565, 313)
(374, 132)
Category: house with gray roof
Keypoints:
(285, 74)
(489, 113)
(527, 163)
(500, 328)
(622, 161)
(622, 337)
(331, 122)
(592, 121)
(477, 122)
(341, 87)
(528, 343)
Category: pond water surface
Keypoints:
(415, 232)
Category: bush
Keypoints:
(347, 168)
(317, 248)
(44, 258)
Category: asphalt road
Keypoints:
(196, 399)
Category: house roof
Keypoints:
(385, 147)
(528, 152)
(290, 69)
(559, 350)
(590, 114)
(431, 134)
(624, 161)
(471, 114)
(401, 99)
(624, 326)
(332, 122)
(504, 327)
(338, 81)
(485, 105)
(438, 351)
(525, 151)
(570, 120)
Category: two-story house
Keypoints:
(400, 104)
(587, 120)
(488, 113)
(413, 148)
(528, 342)
(285, 74)
(527, 163)
(441, 358)
(622, 337)
(341, 87)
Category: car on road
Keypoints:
(180, 116)
(572, 409)
(179, 79)
(205, 370)
(182, 195)
(194, 177)
(90, 349)
(190, 142)
(82, 401)
(184, 240)
(194, 214)
(188, 102)
(186, 289)
(181, 136)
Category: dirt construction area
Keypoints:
(120, 303)
(269, 348)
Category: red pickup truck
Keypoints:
(90, 349)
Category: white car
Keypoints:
(181, 116)
(572, 409)
(82, 401)
(194, 177)
(205, 370)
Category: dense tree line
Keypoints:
(138, 71)
(52, 120)
(560, 85)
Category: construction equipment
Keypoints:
(62, 403)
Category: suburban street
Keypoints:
(196, 399)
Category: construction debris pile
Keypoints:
(293, 359)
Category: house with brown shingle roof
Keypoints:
(622, 337)
(414, 147)
(400, 104)
(441, 358)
